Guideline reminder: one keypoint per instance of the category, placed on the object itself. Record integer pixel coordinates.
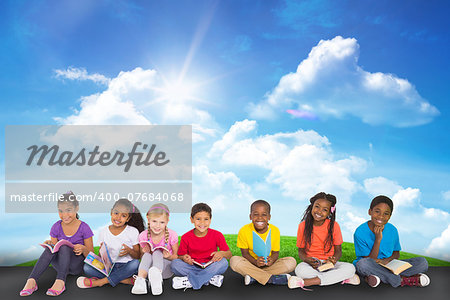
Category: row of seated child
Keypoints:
(202, 255)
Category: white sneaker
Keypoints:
(139, 287)
(216, 280)
(424, 280)
(155, 281)
(352, 280)
(248, 280)
(181, 283)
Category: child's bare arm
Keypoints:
(378, 230)
(337, 254)
(272, 258)
(309, 260)
(174, 251)
(395, 255)
(218, 255)
(246, 254)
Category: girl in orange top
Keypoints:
(319, 241)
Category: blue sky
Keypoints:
(374, 75)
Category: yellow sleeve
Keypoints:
(275, 238)
(242, 239)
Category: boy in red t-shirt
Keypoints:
(199, 262)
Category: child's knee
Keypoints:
(364, 264)
(421, 263)
(235, 261)
(290, 263)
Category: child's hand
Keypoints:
(166, 254)
(332, 259)
(125, 250)
(187, 259)
(383, 261)
(78, 249)
(261, 261)
(312, 262)
(216, 256)
(270, 261)
(146, 248)
(48, 242)
(378, 230)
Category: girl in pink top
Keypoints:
(159, 246)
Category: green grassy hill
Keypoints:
(289, 248)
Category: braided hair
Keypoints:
(158, 210)
(135, 215)
(308, 218)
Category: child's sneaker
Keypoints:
(155, 281)
(373, 280)
(296, 282)
(139, 287)
(181, 283)
(420, 280)
(216, 280)
(281, 279)
(248, 280)
(352, 280)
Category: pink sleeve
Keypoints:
(143, 236)
(173, 237)
(337, 235)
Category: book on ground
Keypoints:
(202, 265)
(55, 248)
(102, 262)
(397, 266)
(262, 247)
(152, 248)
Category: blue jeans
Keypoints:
(119, 272)
(367, 266)
(196, 275)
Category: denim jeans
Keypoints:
(119, 272)
(367, 266)
(64, 262)
(198, 276)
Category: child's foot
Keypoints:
(57, 288)
(181, 283)
(85, 282)
(139, 287)
(216, 280)
(296, 282)
(352, 280)
(29, 288)
(420, 280)
(248, 280)
(281, 279)
(155, 280)
(373, 280)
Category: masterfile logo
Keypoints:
(99, 163)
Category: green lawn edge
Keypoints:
(289, 248)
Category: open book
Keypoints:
(261, 247)
(323, 265)
(102, 263)
(202, 265)
(397, 266)
(55, 248)
(152, 248)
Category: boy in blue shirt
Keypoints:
(377, 242)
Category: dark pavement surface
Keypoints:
(12, 280)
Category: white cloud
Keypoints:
(330, 83)
(300, 162)
(81, 74)
(381, 186)
(440, 246)
(141, 97)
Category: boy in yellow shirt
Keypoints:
(264, 269)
